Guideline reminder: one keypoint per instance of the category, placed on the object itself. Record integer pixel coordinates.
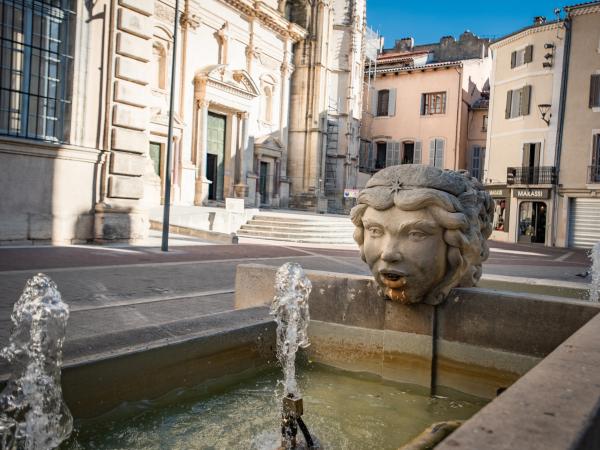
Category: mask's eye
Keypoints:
(375, 232)
(417, 235)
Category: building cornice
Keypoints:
(525, 32)
(580, 10)
(270, 18)
(423, 68)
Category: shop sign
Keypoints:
(532, 193)
(351, 193)
(498, 192)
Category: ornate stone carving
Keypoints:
(422, 231)
(190, 20)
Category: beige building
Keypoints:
(520, 168)
(578, 214)
(426, 104)
(83, 122)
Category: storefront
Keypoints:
(501, 218)
(533, 210)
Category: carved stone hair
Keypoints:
(455, 200)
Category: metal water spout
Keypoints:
(290, 309)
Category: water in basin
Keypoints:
(344, 410)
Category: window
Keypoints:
(380, 158)
(476, 163)
(35, 59)
(522, 56)
(436, 153)
(518, 102)
(595, 91)
(484, 125)
(433, 103)
(383, 100)
(595, 167)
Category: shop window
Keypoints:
(500, 220)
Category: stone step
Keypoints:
(293, 221)
(296, 237)
(298, 226)
(317, 231)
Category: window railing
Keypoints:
(531, 175)
(594, 174)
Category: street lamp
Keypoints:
(545, 109)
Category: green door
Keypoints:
(155, 156)
(216, 147)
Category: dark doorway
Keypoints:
(381, 155)
(408, 155)
(264, 174)
(211, 174)
(532, 222)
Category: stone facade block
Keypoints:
(125, 187)
(129, 140)
(134, 46)
(135, 23)
(130, 93)
(145, 7)
(127, 164)
(133, 70)
(130, 117)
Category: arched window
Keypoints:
(159, 66)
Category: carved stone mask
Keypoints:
(422, 231)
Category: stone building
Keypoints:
(520, 168)
(578, 202)
(84, 104)
(544, 131)
(326, 102)
(427, 104)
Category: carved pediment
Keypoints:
(268, 145)
(219, 76)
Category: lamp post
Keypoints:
(167, 205)
(545, 109)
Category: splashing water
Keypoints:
(595, 284)
(33, 415)
(290, 308)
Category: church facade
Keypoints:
(87, 158)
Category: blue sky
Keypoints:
(428, 20)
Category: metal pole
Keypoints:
(165, 230)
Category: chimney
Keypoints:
(405, 44)
(539, 20)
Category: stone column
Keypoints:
(241, 188)
(201, 146)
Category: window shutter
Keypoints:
(439, 153)
(513, 60)
(595, 91)
(508, 103)
(371, 156)
(526, 149)
(392, 103)
(374, 96)
(596, 150)
(389, 151)
(417, 153)
(528, 53)
(536, 157)
(396, 156)
(525, 100)
(444, 103)
(422, 104)
(432, 152)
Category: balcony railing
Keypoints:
(594, 174)
(531, 175)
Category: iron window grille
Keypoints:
(35, 61)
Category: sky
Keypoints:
(428, 20)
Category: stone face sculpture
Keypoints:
(423, 231)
